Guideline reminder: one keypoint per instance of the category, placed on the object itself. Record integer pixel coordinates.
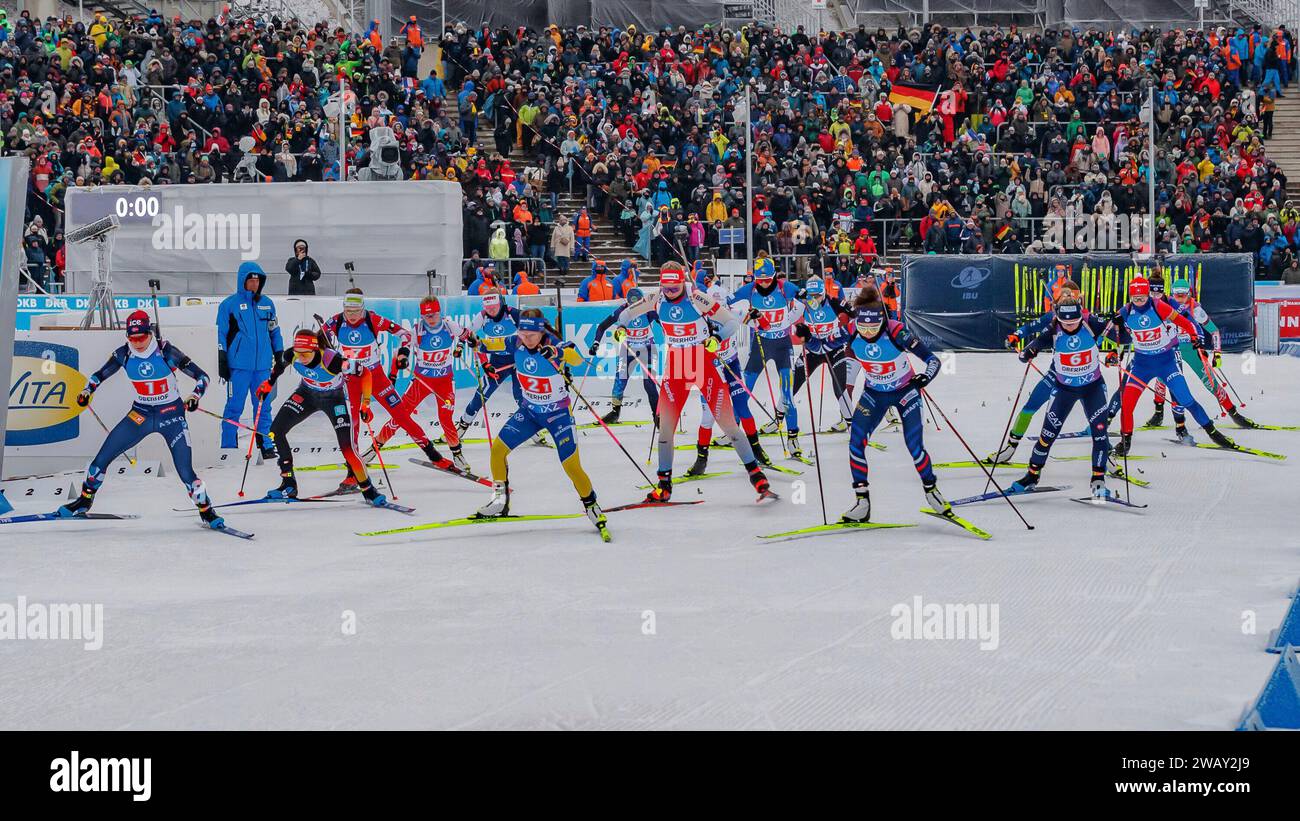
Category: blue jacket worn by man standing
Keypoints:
(248, 341)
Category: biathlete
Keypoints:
(357, 333)
(881, 347)
(151, 366)
(494, 330)
(1152, 326)
(322, 370)
(773, 311)
(692, 341)
(439, 342)
(1045, 388)
(1187, 305)
(637, 346)
(729, 364)
(539, 360)
(823, 332)
(1074, 337)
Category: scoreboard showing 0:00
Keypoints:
(138, 206)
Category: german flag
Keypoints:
(920, 97)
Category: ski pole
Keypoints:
(380, 456)
(234, 422)
(961, 439)
(482, 398)
(629, 456)
(817, 456)
(762, 358)
(741, 380)
(1014, 405)
(252, 438)
(105, 427)
(1219, 372)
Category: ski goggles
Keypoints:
(354, 301)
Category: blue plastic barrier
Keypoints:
(1278, 705)
(1289, 632)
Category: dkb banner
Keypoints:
(974, 301)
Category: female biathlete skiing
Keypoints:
(544, 405)
(881, 345)
(157, 408)
(322, 369)
(685, 316)
(439, 342)
(1073, 336)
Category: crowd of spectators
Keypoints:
(646, 130)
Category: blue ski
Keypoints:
(54, 517)
(983, 497)
(228, 530)
(395, 506)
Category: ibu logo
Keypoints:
(971, 277)
(44, 383)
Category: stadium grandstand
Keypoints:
(594, 137)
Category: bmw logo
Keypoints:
(146, 369)
(1144, 320)
(873, 350)
(1072, 342)
(530, 365)
(354, 335)
(675, 312)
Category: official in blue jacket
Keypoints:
(248, 342)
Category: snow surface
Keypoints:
(1108, 618)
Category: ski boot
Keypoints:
(701, 463)
(373, 496)
(79, 506)
(458, 458)
(663, 491)
(839, 427)
(1218, 437)
(500, 503)
(611, 418)
(1124, 445)
(595, 515)
(861, 510)
(759, 453)
(1006, 452)
(1027, 482)
(540, 439)
(432, 454)
(268, 449)
(936, 500)
(759, 480)
(461, 427)
(1158, 418)
(1241, 419)
(775, 425)
(792, 444)
(1183, 437)
(1099, 489)
(288, 488)
(210, 517)
(348, 485)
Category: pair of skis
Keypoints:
(511, 517)
(836, 527)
